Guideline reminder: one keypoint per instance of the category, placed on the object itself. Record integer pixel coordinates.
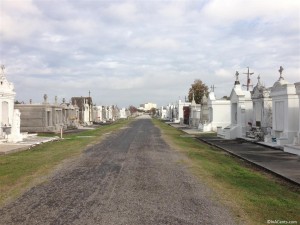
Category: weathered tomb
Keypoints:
(181, 112)
(195, 114)
(85, 105)
(262, 111)
(43, 117)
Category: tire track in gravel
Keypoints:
(131, 177)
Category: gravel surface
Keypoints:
(132, 177)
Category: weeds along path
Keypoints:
(131, 177)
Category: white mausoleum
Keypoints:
(9, 117)
(218, 113)
(241, 113)
(285, 111)
(295, 146)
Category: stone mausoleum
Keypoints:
(48, 117)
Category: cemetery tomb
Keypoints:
(9, 116)
(295, 146)
(285, 111)
(241, 113)
(218, 113)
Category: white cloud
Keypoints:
(224, 73)
(155, 43)
(19, 19)
(124, 11)
(224, 12)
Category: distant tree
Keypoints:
(132, 109)
(198, 88)
(152, 111)
(225, 97)
(17, 102)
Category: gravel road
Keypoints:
(132, 177)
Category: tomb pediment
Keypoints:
(257, 93)
(5, 86)
(279, 85)
(260, 92)
(236, 93)
(211, 96)
(282, 88)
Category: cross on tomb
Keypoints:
(248, 79)
(212, 87)
(237, 78)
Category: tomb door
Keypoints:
(48, 119)
(5, 120)
(210, 114)
(258, 110)
(279, 115)
(234, 113)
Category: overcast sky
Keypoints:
(133, 52)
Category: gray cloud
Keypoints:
(129, 52)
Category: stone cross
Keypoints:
(280, 72)
(212, 87)
(248, 79)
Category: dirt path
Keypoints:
(132, 178)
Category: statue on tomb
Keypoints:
(2, 68)
(45, 98)
(237, 78)
(55, 100)
(280, 72)
(258, 80)
(2, 72)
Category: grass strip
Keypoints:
(22, 170)
(253, 195)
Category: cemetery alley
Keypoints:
(132, 177)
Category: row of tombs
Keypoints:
(17, 120)
(268, 115)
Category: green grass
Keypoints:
(254, 196)
(21, 170)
